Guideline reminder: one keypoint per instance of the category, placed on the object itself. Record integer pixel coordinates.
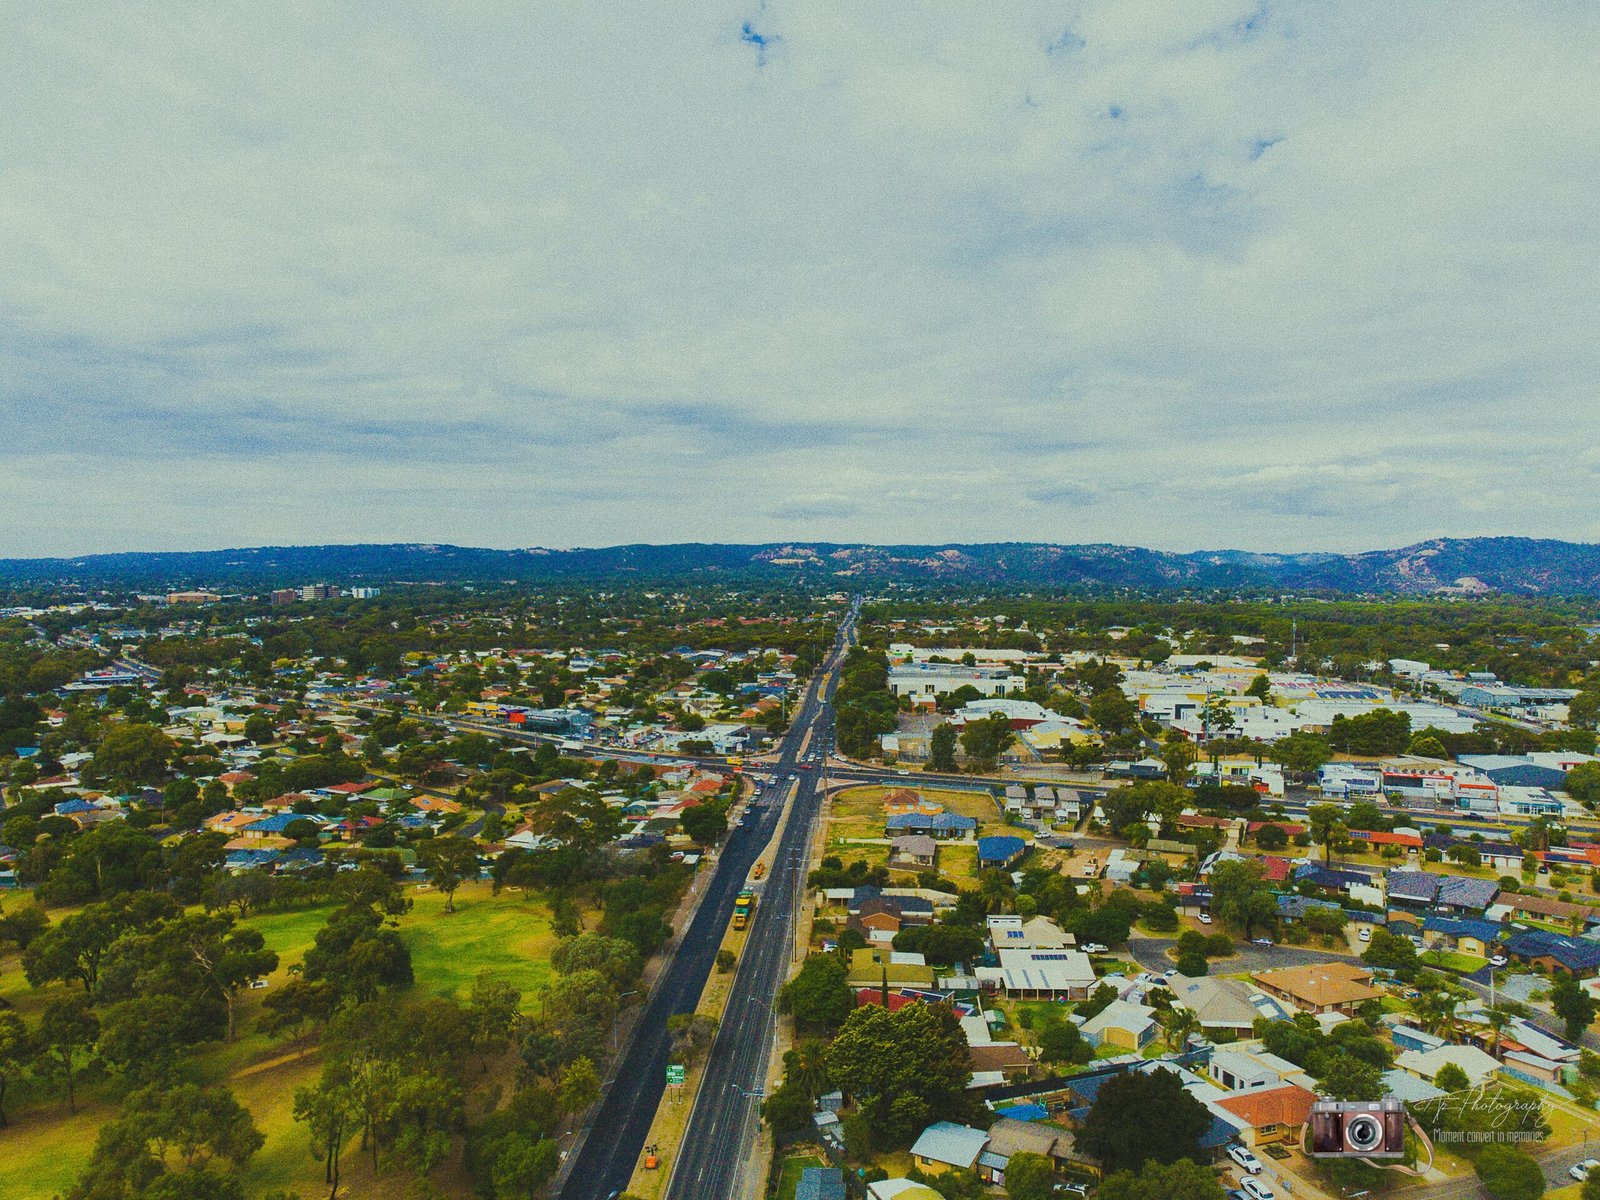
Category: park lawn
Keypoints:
(508, 935)
(789, 1176)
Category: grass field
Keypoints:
(1465, 963)
(793, 1165)
(507, 935)
(857, 813)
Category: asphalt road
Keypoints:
(725, 1114)
(1148, 952)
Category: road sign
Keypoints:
(675, 1074)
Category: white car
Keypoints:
(1256, 1191)
(1261, 941)
(1094, 948)
(1169, 972)
(1498, 960)
(1366, 934)
(1247, 1161)
(1580, 1171)
(1205, 918)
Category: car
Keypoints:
(1365, 935)
(1261, 941)
(1094, 948)
(1247, 1161)
(1072, 1189)
(1580, 1171)
(1498, 960)
(1236, 1194)
(1255, 1190)
(1144, 977)
(1205, 918)
(1169, 972)
(907, 773)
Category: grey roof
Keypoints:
(1461, 891)
(947, 1142)
(820, 1183)
(1413, 885)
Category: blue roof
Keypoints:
(909, 821)
(276, 823)
(1484, 931)
(1575, 954)
(1001, 848)
(820, 1183)
(249, 858)
(68, 807)
(1461, 891)
(954, 821)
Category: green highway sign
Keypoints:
(674, 1074)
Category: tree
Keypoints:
(1240, 895)
(1271, 837)
(1192, 965)
(1179, 756)
(1574, 1006)
(579, 1086)
(903, 1068)
(327, 1109)
(942, 749)
(1583, 783)
(134, 752)
(705, 822)
(1451, 1078)
(1183, 1180)
(1347, 1078)
(984, 741)
(449, 862)
(1060, 1042)
(17, 1050)
(615, 958)
(524, 1167)
(1030, 1177)
(68, 1028)
(1509, 1173)
(1426, 746)
(1391, 952)
(1143, 1115)
(22, 924)
(1260, 687)
(1301, 753)
(1327, 827)
(171, 1143)
(819, 995)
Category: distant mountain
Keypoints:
(1524, 566)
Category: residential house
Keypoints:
(1463, 934)
(916, 850)
(1122, 1024)
(1269, 1115)
(1225, 1006)
(1010, 931)
(1560, 955)
(1000, 852)
(1426, 1064)
(820, 1183)
(900, 1189)
(1248, 1067)
(1009, 1137)
(1320, 988)
(1041, 974)
(947, 1146)
(872, 965)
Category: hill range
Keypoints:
(1465, 566)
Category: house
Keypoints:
(1122, 1024)
(1248, 1068)
(820, 1183)
(1557, 954)
(1467, 935)
(1426, 1064)
(900, 1189)
(946, 1146)
(1009, 1137)
(436, 805)
(1041, 974)
(913, 850)
(274, 826)
(1224, 1005)
(1270, 1114)
(1460, 894)
(1412, 889)
(1319, 988)
(1000, 852)
(1409, 1088)
(1009, 931)
(870, 966)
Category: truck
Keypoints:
(743, 906)
(761, 869)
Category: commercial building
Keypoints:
(940, 679)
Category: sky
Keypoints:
(1177, 273)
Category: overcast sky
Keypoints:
(1181, 273)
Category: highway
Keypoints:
(725, 1115)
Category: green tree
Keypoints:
(1140, 1116)
(1426, 746)
(1241, 896)
(1583, 783)
(1301, 753)
(942, 749)
(1030, 1177)
(1509, 1173)
(1179, 756)
(1271, 837)
(171, 1142)
(67, 1029)
(1574, 1006)
(133, 752)
(1451, 1078)
(903, 1068)
(1347, 1078)
(524, 1167)
(579, 1086)
(17, 1050)
(819, 995)
(1182, 1180)
(1061, 1042)
(1391, 952)
(1327, 827)
(705, 822)
(1260, 687)
(449, 862)
(984, 741)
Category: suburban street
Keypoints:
(725, 1114)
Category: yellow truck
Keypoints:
(743, 907)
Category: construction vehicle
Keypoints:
(761, 869)
(743, 907)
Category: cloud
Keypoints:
(1202, 272)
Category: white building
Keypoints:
(940, 679)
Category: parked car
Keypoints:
(1261, 941)
(1256, 1191)
(1498, 960)
(1245, 1159)
(1205, 918)
(1169, 972)
(1094, 948)
(1236, 1194)
(1072, 1189)
(1580, 1171)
